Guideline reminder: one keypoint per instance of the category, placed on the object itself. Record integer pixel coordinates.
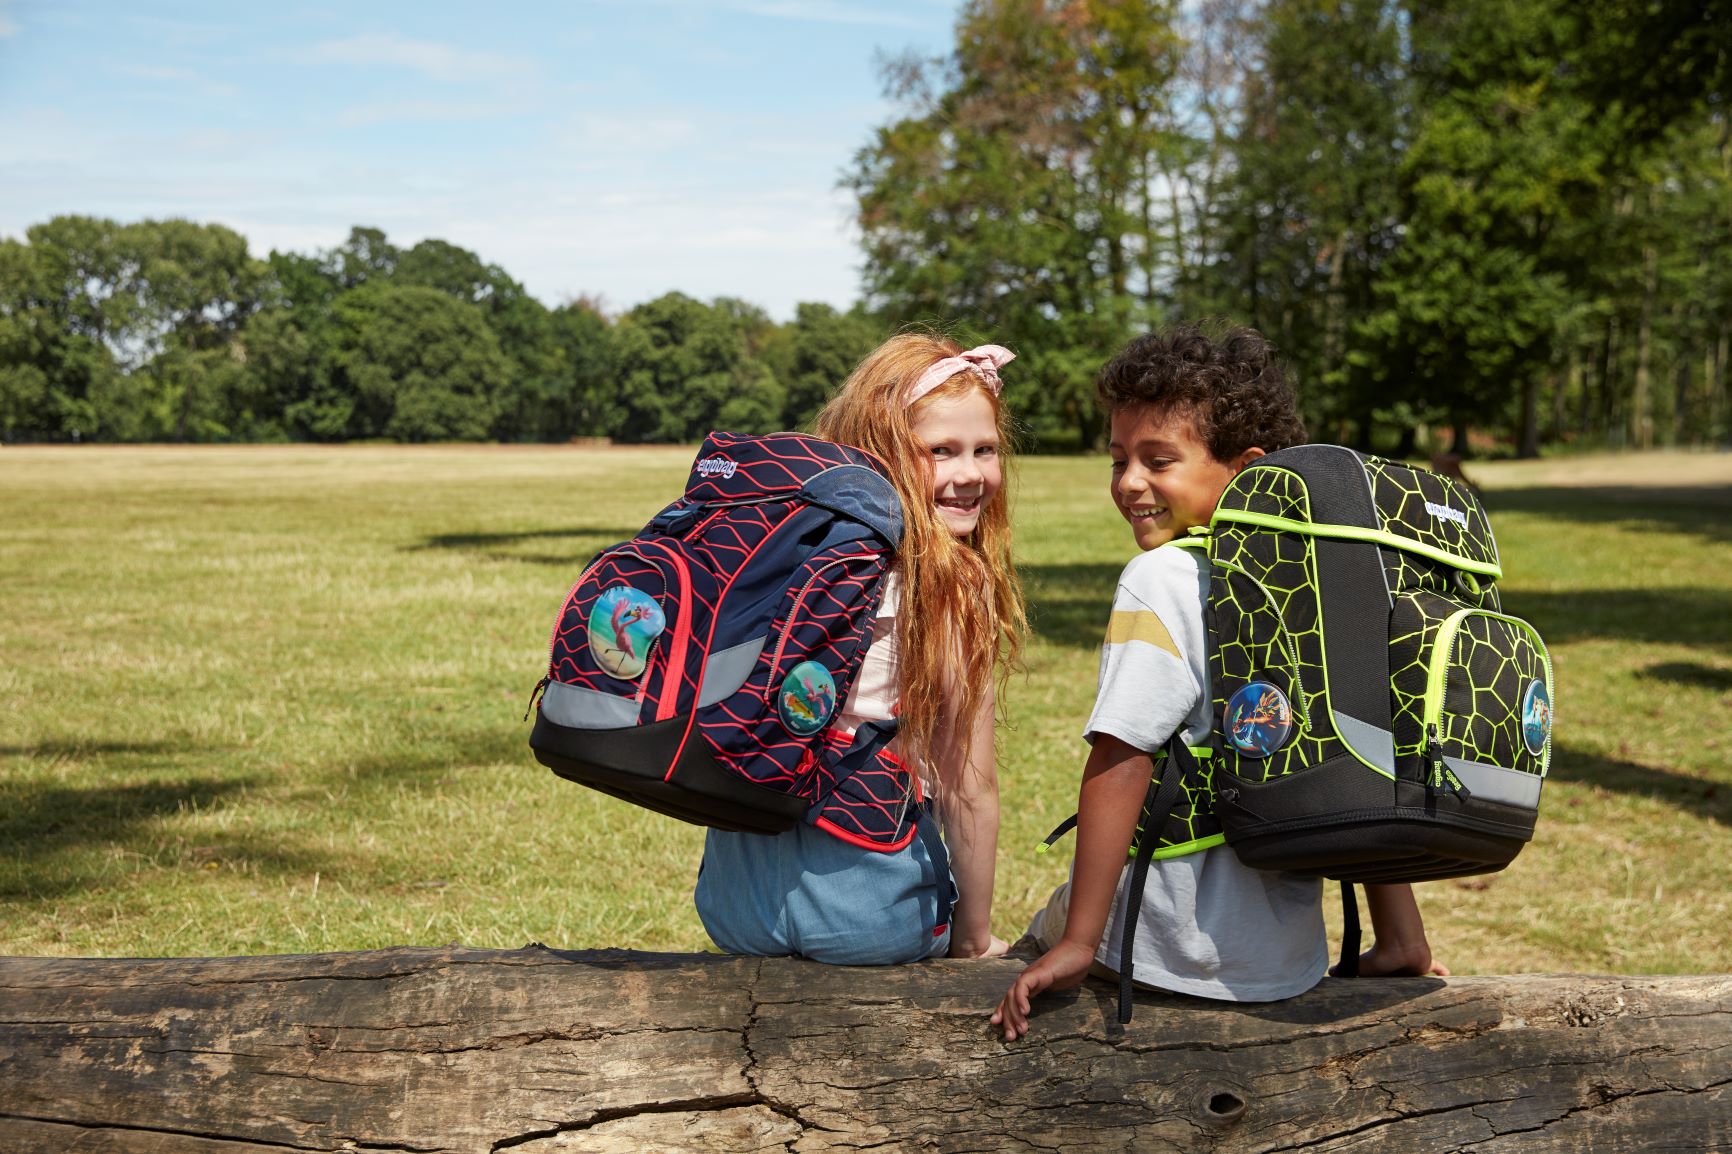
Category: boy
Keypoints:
(1186, 413)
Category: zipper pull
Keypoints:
(535, 695)
(1434, 753)
(1442, 777)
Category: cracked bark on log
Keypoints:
(540, 1051)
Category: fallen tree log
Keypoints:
(539, 1050)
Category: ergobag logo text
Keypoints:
(697, 670)
(1447, 513)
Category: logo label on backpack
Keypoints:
(1536, 717)
(808, 698)
(1446, 513)
(721, 467)
(622, 625)
(1258, 719)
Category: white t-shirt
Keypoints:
(1210, 925)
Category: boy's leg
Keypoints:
(1400, 946)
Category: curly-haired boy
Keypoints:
(1187, 411)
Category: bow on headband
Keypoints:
(985, 361)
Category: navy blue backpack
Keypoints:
(697, 669)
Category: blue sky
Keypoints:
(624, 148)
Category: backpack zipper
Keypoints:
(794, 611)
(1297, 697)
(682, 633)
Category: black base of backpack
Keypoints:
(667, 768)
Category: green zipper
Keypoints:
(1297, 697)
(1443, 655)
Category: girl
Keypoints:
(950, 618)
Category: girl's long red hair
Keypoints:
(962, 618)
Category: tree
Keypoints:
(412, 364)
(686, 368)
(1016, 195)
(824, 347)
(584, 404)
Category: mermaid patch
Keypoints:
(808, 698)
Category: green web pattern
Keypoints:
(1193, 819)
(1414, 623)
(1263, 601)
(1492, 664)
(1401, 492)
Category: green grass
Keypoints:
(262, 700)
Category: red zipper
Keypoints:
(793, 613)
(682, 634)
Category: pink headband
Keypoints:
(985, 360)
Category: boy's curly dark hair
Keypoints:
(1229, 382)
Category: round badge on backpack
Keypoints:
(1536, 717)
(808, 698)
(1258, 719)
(622, 624)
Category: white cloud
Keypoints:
(446, 63)
(8, 26)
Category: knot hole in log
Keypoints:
(1223, 1107)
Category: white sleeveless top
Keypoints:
(875, 694)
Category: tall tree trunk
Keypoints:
(1572, 384)
(1642, 403)
(1609, 385)
(1529, 447)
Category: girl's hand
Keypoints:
(1060, 968)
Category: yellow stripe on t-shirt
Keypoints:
(1139, 625)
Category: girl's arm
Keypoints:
(971, 836)
(1115, 781)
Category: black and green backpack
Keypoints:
(1378, 717)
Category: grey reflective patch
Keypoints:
(580, 708)
(1495, 783)
(726, 671)
(1372, 744)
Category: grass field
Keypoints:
(261, 700)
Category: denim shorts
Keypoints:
(808, 894)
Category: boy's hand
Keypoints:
(1060, 968)
(994, 947)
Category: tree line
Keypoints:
(1504, 216)
(170, 330)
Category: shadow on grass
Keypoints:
(1689, 673)
(1689, 616)
(60, 838)
(1697, 795)
(1705, 510)
(1068, 604)
(585, 543)
(75, 748)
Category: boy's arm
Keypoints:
(971, 836)
(1399, 948)
(1115, 781)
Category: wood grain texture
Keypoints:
(542, 1051)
